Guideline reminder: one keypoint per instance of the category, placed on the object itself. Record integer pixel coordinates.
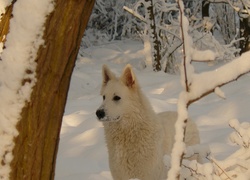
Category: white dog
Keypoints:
(137, 138)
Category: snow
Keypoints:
(22, 43)
(82, 152)
(206, 55)
(242, 134)
(219, 92)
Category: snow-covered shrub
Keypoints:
(236, 166)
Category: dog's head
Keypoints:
(118, 94)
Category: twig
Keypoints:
(131, 11)
(246, 8)
(184, 47)
(194, 171)
(223, 171)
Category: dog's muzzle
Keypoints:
(100, 113)
(102, 116)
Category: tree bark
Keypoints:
(245, 33)
(153, 35)
(205, 12)
(205, 8)
(39, 128)
(5, 22)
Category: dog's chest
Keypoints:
(130, 146)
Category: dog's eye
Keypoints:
(116, 98)
(103, 97)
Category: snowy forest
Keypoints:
(167, 40)
(221, 26)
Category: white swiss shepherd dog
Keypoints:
(137, 138)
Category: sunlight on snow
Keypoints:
(88, 138)
(82, 141)
(157, 91)
(219, 116)
(72, 120)
(172, 101)
(104, 175)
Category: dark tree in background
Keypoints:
(245, 33)
(150, 15)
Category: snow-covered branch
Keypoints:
(180, 126)
(186, 41)
(134, 13)
(218, 77)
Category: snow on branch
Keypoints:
(218, 77)
(186, 41)
(136, 14)
(186, 72)
(17, 70)
(241, 136)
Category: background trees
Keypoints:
(219, 25)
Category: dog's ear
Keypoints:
(106, 75)
(128, 76)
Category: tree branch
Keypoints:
(218, 77)
(184, 46)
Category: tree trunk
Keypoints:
(205, 8)
(245, 33)
(39, 128)
(205, 14)
(5, 22)
(153, 34)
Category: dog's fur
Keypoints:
(137, 138)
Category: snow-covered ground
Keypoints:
(82, 151)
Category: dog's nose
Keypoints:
(100, 113)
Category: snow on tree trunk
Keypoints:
(186, 73)
(17, 67)
(35, 72)
(147, 49)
